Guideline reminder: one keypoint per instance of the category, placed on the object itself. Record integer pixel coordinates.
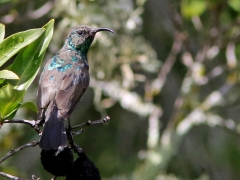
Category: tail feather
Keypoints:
(54, 134)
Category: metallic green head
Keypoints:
(81, 37)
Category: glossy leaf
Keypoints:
(13, 112)
(10, 100)
(29, 105)
(27, 83)
(2, 32)
(48, 35)
(28, 62)
(14, 43)
(6, 74)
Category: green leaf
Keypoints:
(30, 106)
(2, 32)
(14, 43)
(13, 113)
(191, 8)
(8, 93)
(48, 35)
(28, 61)
(25, 85)
(6, 74)
(10, 100)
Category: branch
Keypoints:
(34, 124)
(21, 18)
(10, 176)
(159, 82)
(177, 21)
(89, 122)
(70, 134)
(17, 178)
(13, 151)
(77, 133)
(131, 101)
(35, 177)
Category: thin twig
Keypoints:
(32, 14)
(10, 176)
(54, 178)
(89, 122)
(168, 64)
(13, 151)
(34, 177)
(33, 123)
(24, 121)
(77, 133)
(74, 146)
(177, 22)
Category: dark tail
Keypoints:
(54, 134)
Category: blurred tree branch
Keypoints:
(13, 151)
(34, 124)
(28, 15)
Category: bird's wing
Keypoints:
(46, 92)
(71, 90)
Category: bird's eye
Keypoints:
(80, 33)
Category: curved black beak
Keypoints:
(95, 30)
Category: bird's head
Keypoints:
(81, 37)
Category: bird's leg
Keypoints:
(68, 128)
(39, 122)
(69, 134)
(41, 116)
(73, 146)
(69, 124)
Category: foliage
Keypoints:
(23, 70)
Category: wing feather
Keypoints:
(70, 92)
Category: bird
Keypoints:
(62, 83)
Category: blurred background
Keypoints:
(169, 81)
